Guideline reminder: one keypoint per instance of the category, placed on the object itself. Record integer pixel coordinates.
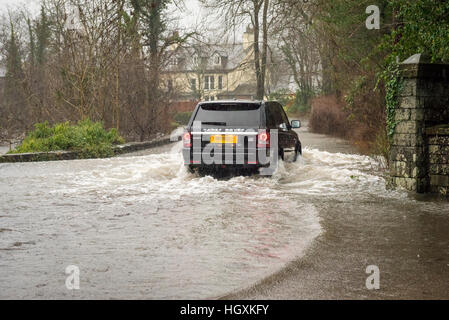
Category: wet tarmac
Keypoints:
(405, 235)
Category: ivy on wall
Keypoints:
(393, 87)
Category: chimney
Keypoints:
(175, 37)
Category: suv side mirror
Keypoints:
(296, 124)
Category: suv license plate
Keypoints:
(220, 138)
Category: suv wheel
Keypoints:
(298, 152)
(281, 154)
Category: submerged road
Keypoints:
(139, 226)
(406, 236)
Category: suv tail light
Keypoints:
(187, 138)
(263, 139)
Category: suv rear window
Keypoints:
(229, 115)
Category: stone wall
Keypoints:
(73, 155)
(438, 165)
(423, 103)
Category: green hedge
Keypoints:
(87, 137)
(182, 118)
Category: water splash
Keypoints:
(159, 231)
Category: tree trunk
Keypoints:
(261, 85)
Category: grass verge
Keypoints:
(88, 138)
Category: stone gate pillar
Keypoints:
(423, 103)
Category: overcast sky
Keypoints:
(33, 5)
(189, 17)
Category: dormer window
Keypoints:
(217, 60)
(173, 61)
(195, 60)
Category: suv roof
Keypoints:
(232, 101)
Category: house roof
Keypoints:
(231, 55)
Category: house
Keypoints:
(213, 72)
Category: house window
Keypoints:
(193, 84)
(220, 82)
(209, 82)
(173, 61)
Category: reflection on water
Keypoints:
(142, 227)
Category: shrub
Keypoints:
(283, 96)
(293, 103)
(300, 102)
(296, 108)
(87, 137)
(182, 118)
(381, 146)
(328, 116)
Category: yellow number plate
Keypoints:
(221, 138)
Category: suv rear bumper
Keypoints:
(246, 159)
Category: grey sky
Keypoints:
(189, 17)
(32, 5)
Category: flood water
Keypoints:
(142, 227)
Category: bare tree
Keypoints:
(97, 59)
(235, 13)
(298, 42)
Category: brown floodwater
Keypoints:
(140, 226)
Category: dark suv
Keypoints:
(239, 135)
